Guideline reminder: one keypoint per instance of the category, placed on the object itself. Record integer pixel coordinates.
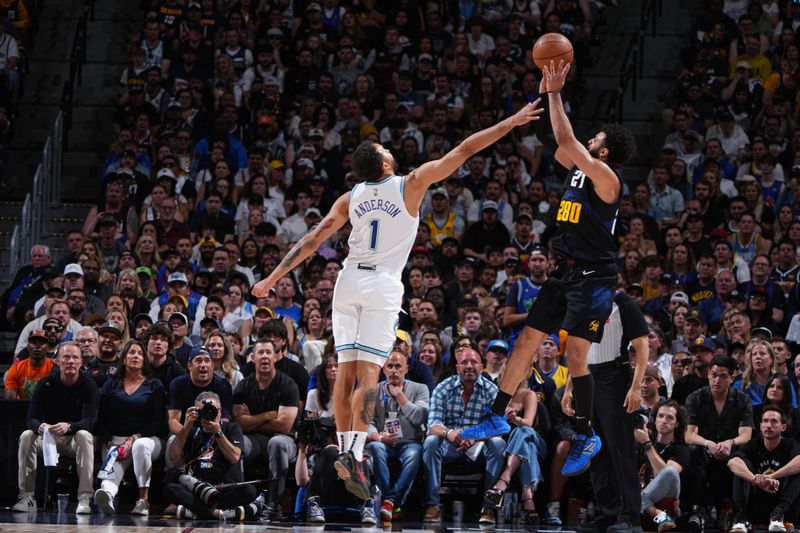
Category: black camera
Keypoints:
(641, 417)
(208, 411)
(316, 432)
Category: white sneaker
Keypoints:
(104, 501)
(83, 505)
(141, 507)
(777, 526)
(740, 527)
(25, 504)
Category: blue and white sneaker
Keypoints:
(492, 425)
(580, 457)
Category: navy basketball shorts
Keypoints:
(576, 298)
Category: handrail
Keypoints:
(77, 58)
(14, 247)
(632, 67)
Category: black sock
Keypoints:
(500, 403)
(583, 395)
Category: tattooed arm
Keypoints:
(307, 245)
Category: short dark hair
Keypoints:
(784, 418)
(724, 361)
(620, 143)
(274, 327)
(367, 162)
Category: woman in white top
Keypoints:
(319, 401)
(311, 341)
(238, 313)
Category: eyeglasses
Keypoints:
(683, 362)
(85, 341)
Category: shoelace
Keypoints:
(577, 448)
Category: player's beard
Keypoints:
(594, 152)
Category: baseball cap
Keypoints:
(695, 315)
(538, 250)
(525, 216)
(274, 32)
(313, 211)
(110, 327)
(266, 310)
(744, 64)
(220, 287)
(179, 316)
(555, 338)
(305, 162)
(124, 171)
(420, 250)
(762, 332)
(425, 57)
(209, 320)
(265, 120)
(95, 318)
(679, 296)
(403, 336)
(498, 344)
(469, 261)
(702, 343)
(759, 290)
(142, 316)
(208, 239)
(440, 191)
(165, 173)
(50, 273)
(489, 204)
(55, 289)
(73, 268)
(38, 334)
(177, 277)
(107, 218)
(735, 295)
(691, 134)
(144, 270)
(179, 297)
(666, 278)
(513, 261)
(313, 6)
(200, 350)
(634, 287)
(316, 132)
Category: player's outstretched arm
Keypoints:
(422, 178)
(307, 245)
(570, 151)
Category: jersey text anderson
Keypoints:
(376, 205)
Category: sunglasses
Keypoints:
(53, 328)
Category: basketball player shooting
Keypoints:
(579, 295)
(384, 212)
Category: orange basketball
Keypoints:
(551, 47)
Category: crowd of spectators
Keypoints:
(234, 135)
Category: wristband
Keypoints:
(647, 445)
(219, 434)
(446, 433)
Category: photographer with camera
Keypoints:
(184, 389)
(210, 484)
(665, 457)
(265, 406)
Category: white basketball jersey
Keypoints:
(383, 230)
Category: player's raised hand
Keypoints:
(262, 288)
(554, 77)
(528, 113)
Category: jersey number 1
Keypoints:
(373, 234)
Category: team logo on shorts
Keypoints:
(594, 325)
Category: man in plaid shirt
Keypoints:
(457, 402)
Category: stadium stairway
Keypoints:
(661, 64)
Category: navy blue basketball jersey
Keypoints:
(585, 223)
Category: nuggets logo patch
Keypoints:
(698, 340)
(594, 325)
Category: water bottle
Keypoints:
(377, 501)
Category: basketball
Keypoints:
(551, 47)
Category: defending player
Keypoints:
(384, 212)
(579, 294)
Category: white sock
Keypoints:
(357, 444)
(344, 440)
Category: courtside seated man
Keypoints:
(579, 295)
(384, 212)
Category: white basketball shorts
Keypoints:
(366, 306)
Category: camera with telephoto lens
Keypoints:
(641, 417)
(208, 411)
(316, 432)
